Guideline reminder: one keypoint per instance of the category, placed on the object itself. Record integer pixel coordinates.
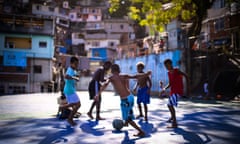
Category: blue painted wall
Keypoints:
(99, 53)
(152, 62)
(35, 50)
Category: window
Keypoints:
(218, 4)
(72, 16)
(97, 26)
(17, 42)
(80, 36)
(219, 24)
(37, 69)
(121, 26)
(79, 15)
(20, 69)
(42, 44)
(111, 44)
(38, 7)
(85, 10)
(95, 43)
(10, 45)
(51, 9)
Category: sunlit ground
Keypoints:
(31, 119)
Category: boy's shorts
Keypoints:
(72, 98)
(173, 100)
(127, 108)
(143, 96)
(93, 88)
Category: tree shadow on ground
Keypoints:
(127, 139)
(214, 121)
(147, 127)
(40, 131)
(192, 137)
(89, 127)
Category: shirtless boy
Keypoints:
(143, 87)
(120, 83)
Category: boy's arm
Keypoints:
(135, 87)
(149, 82)
(71, 74)
(139, 75)
(188, 81)
(103, 87)
(166, 87)
(184, 74)
(72, 77)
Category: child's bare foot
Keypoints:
(140, 134)
(100, 118)
(71, 122)
(126, 124)
(78, 114)
(174, 125)
(90, 115)
(169, 120)
(139, 116)
(146, 119)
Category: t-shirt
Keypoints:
(69, 87)
(176, 82)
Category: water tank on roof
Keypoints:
(65, 4)
(234, 8)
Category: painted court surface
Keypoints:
(30, 119)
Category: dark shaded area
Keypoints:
(227, 83)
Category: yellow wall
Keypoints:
(22, 43)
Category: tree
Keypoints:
(157, 13)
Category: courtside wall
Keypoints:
(155, 63)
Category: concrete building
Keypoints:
(26, 52)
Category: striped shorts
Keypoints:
(173, 100)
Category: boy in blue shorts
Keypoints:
(144, 85)
(69, 89)
(120, 83)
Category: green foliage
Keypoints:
(155, 13)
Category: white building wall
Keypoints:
(173, 34)
(44, 11)
(94, 18)
(76, 40)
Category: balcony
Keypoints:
(26, 24)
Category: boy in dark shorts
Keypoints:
(94, 87)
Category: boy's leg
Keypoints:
(91, 109)
(173, 101)
(146, 111)
(75, 108)
(70, 118)
(92, 93)
(140, 131)
(98, 108)
(140, 111)
(173, 116)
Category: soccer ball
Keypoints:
(117, 124)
